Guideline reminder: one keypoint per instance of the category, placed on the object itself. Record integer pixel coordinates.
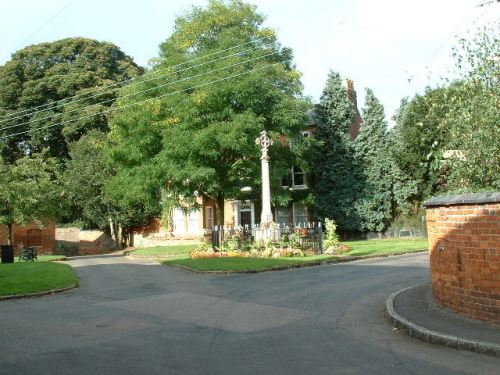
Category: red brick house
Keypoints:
(192, 224)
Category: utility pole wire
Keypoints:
(147, 100)
(104, 89)
(139, 92)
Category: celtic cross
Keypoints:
(264, 142)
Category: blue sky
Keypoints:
(395, 47)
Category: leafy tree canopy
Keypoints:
(37, 89)
(474, 117)
(420, 137)
(447, 139)
(84, 178)
(197, 133)
(28, 191)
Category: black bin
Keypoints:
(7, 253)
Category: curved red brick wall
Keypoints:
(464, 247)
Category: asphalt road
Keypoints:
(129, 317)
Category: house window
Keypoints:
(209, 217)
(300, 214)
(194, 221)
(299, 178)
(282, 215)
(179, 221)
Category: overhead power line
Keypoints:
(149, 99)
(104, 89)
(141, 91)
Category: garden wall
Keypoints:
(75, 241)
(464, 248)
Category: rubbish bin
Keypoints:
(7, 253)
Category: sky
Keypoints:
(394, 47)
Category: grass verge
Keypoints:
(46, 258)
(244, 264)
(359, 248)
(164, 251)
(33, 277)
(390, 246)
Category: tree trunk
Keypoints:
(219, 209)
(116, 229)
(10, 239)
(130, 236)
(115, 232)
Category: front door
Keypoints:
(245, 218)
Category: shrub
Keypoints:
(331, 239)
(66, 248)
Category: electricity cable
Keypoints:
(104, 89)
(139, 92)
(143, 81)
(148, 100)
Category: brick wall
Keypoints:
(88, 242)
(45, 239)
(464, 244)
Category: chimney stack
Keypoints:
(351, 95)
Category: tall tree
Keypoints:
(475, 111)
(59, 82)
(338, 180)
(371, 146)
(84, 182)
(447, 139)
(28, 192)
(197, 135)
(420, 138)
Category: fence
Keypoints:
(308, 237)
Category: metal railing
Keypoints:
(307, 237)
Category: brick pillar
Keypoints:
(464, 250)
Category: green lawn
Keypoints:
(389, 246)
(366, 247)
(242, 264)
(165, 251)
(45, 258)
(31, 277)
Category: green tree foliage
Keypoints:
(419, 139)
(474, 116)
(35, 83)
(338, 180)
(28, 192)
(199, 138)
(84, 179)
(372, 153)
(447, 139)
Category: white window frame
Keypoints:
(294, 209)
(178, 227)
(301, 186)
(276, 210)
(209, 217)
(193, 221)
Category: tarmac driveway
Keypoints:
(131, 317)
